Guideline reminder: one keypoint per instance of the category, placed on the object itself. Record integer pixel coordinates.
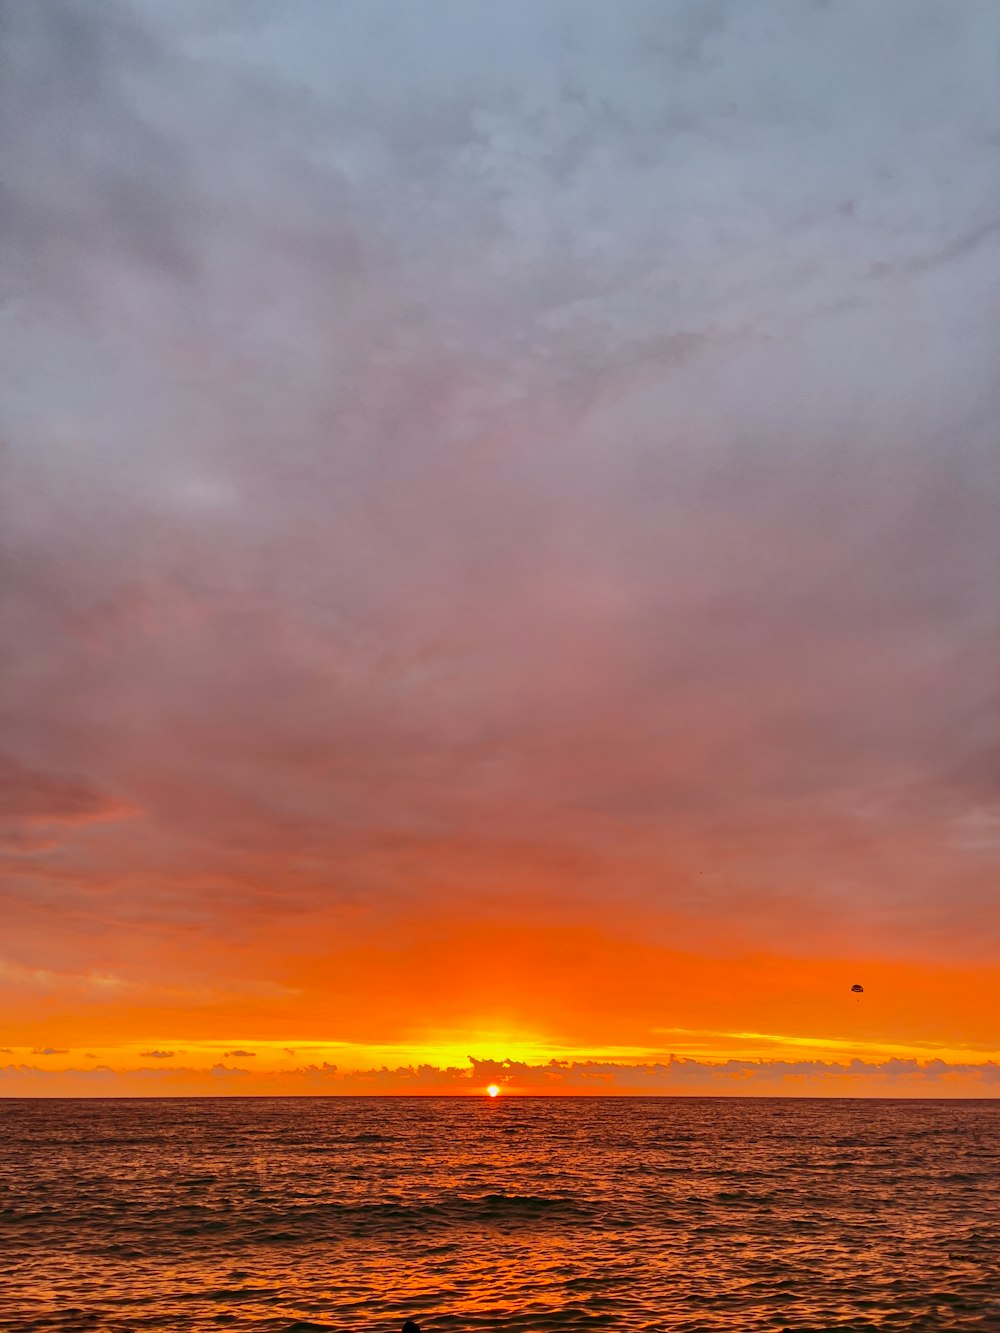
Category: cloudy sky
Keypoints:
(501, 544)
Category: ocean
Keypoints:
(514, 1214)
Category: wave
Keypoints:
(424, 1211)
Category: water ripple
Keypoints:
(524, 1215)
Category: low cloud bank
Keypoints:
(855, 1078)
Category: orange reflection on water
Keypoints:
(488, 1214)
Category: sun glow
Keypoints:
(493, 1090)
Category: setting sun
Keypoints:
(493, 1090)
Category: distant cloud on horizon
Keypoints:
(862, 1078)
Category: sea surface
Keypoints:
(516, 1214)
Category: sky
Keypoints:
(500, 547)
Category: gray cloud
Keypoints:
(89, 180)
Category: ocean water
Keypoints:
(516, 1214)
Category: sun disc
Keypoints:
(493, 1090)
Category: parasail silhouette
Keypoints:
(858, 990)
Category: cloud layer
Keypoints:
(532, 464)
(736, 1078)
